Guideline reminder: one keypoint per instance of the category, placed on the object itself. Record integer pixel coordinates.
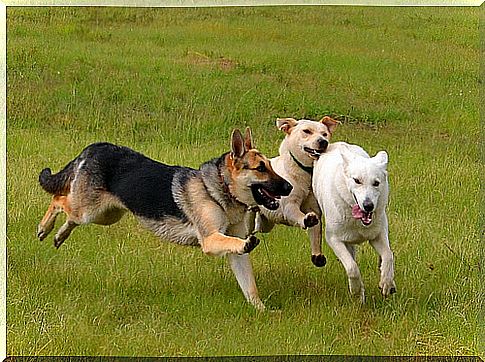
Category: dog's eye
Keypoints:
(307, 131)
(376, 183)
(357, 181)
(261, 168)
(324, 134)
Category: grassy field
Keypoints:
(173, 83)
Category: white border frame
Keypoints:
(130, 3)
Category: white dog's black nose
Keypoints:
(368, 205)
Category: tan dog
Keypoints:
(304, 142)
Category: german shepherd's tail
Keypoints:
(59, 183)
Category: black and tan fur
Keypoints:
(208, 207)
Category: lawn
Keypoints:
(173, 83)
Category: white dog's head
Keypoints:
(366, 179)
(306, 140)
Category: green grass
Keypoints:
(173, 83)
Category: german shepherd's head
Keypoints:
(253, 181)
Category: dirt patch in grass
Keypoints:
(216, 62)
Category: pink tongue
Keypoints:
(357, 213)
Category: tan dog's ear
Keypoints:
(330, 123)
(237, 144)
(248, 140)
(286, 124)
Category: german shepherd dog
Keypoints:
(212, 207)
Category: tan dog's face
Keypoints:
(307, 139)
(253, 179)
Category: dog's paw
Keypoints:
(319, 260)
(257, 303)
(311, 219)
(58, 240)
(387, 288)
(41, 234)
(251, 243)
(42, 231)
(357, 290)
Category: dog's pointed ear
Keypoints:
(237, 144)
(381, 159)
(248, 140)
(330, 123)
(347, 156)
(286, 124)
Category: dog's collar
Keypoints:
(303, 167)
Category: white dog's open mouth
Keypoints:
(313, 153)
(364, 216)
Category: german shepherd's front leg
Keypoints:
(241, 264)
(212, 222)
(237, 250)
(243, 270)
(218, 244)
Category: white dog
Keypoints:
(352, 189)
(304, 142)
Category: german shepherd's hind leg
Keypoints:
(48, 221)
(59, 204)
(64, 232)
(242, 269)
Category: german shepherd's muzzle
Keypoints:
(267, 194)
(208, 207)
